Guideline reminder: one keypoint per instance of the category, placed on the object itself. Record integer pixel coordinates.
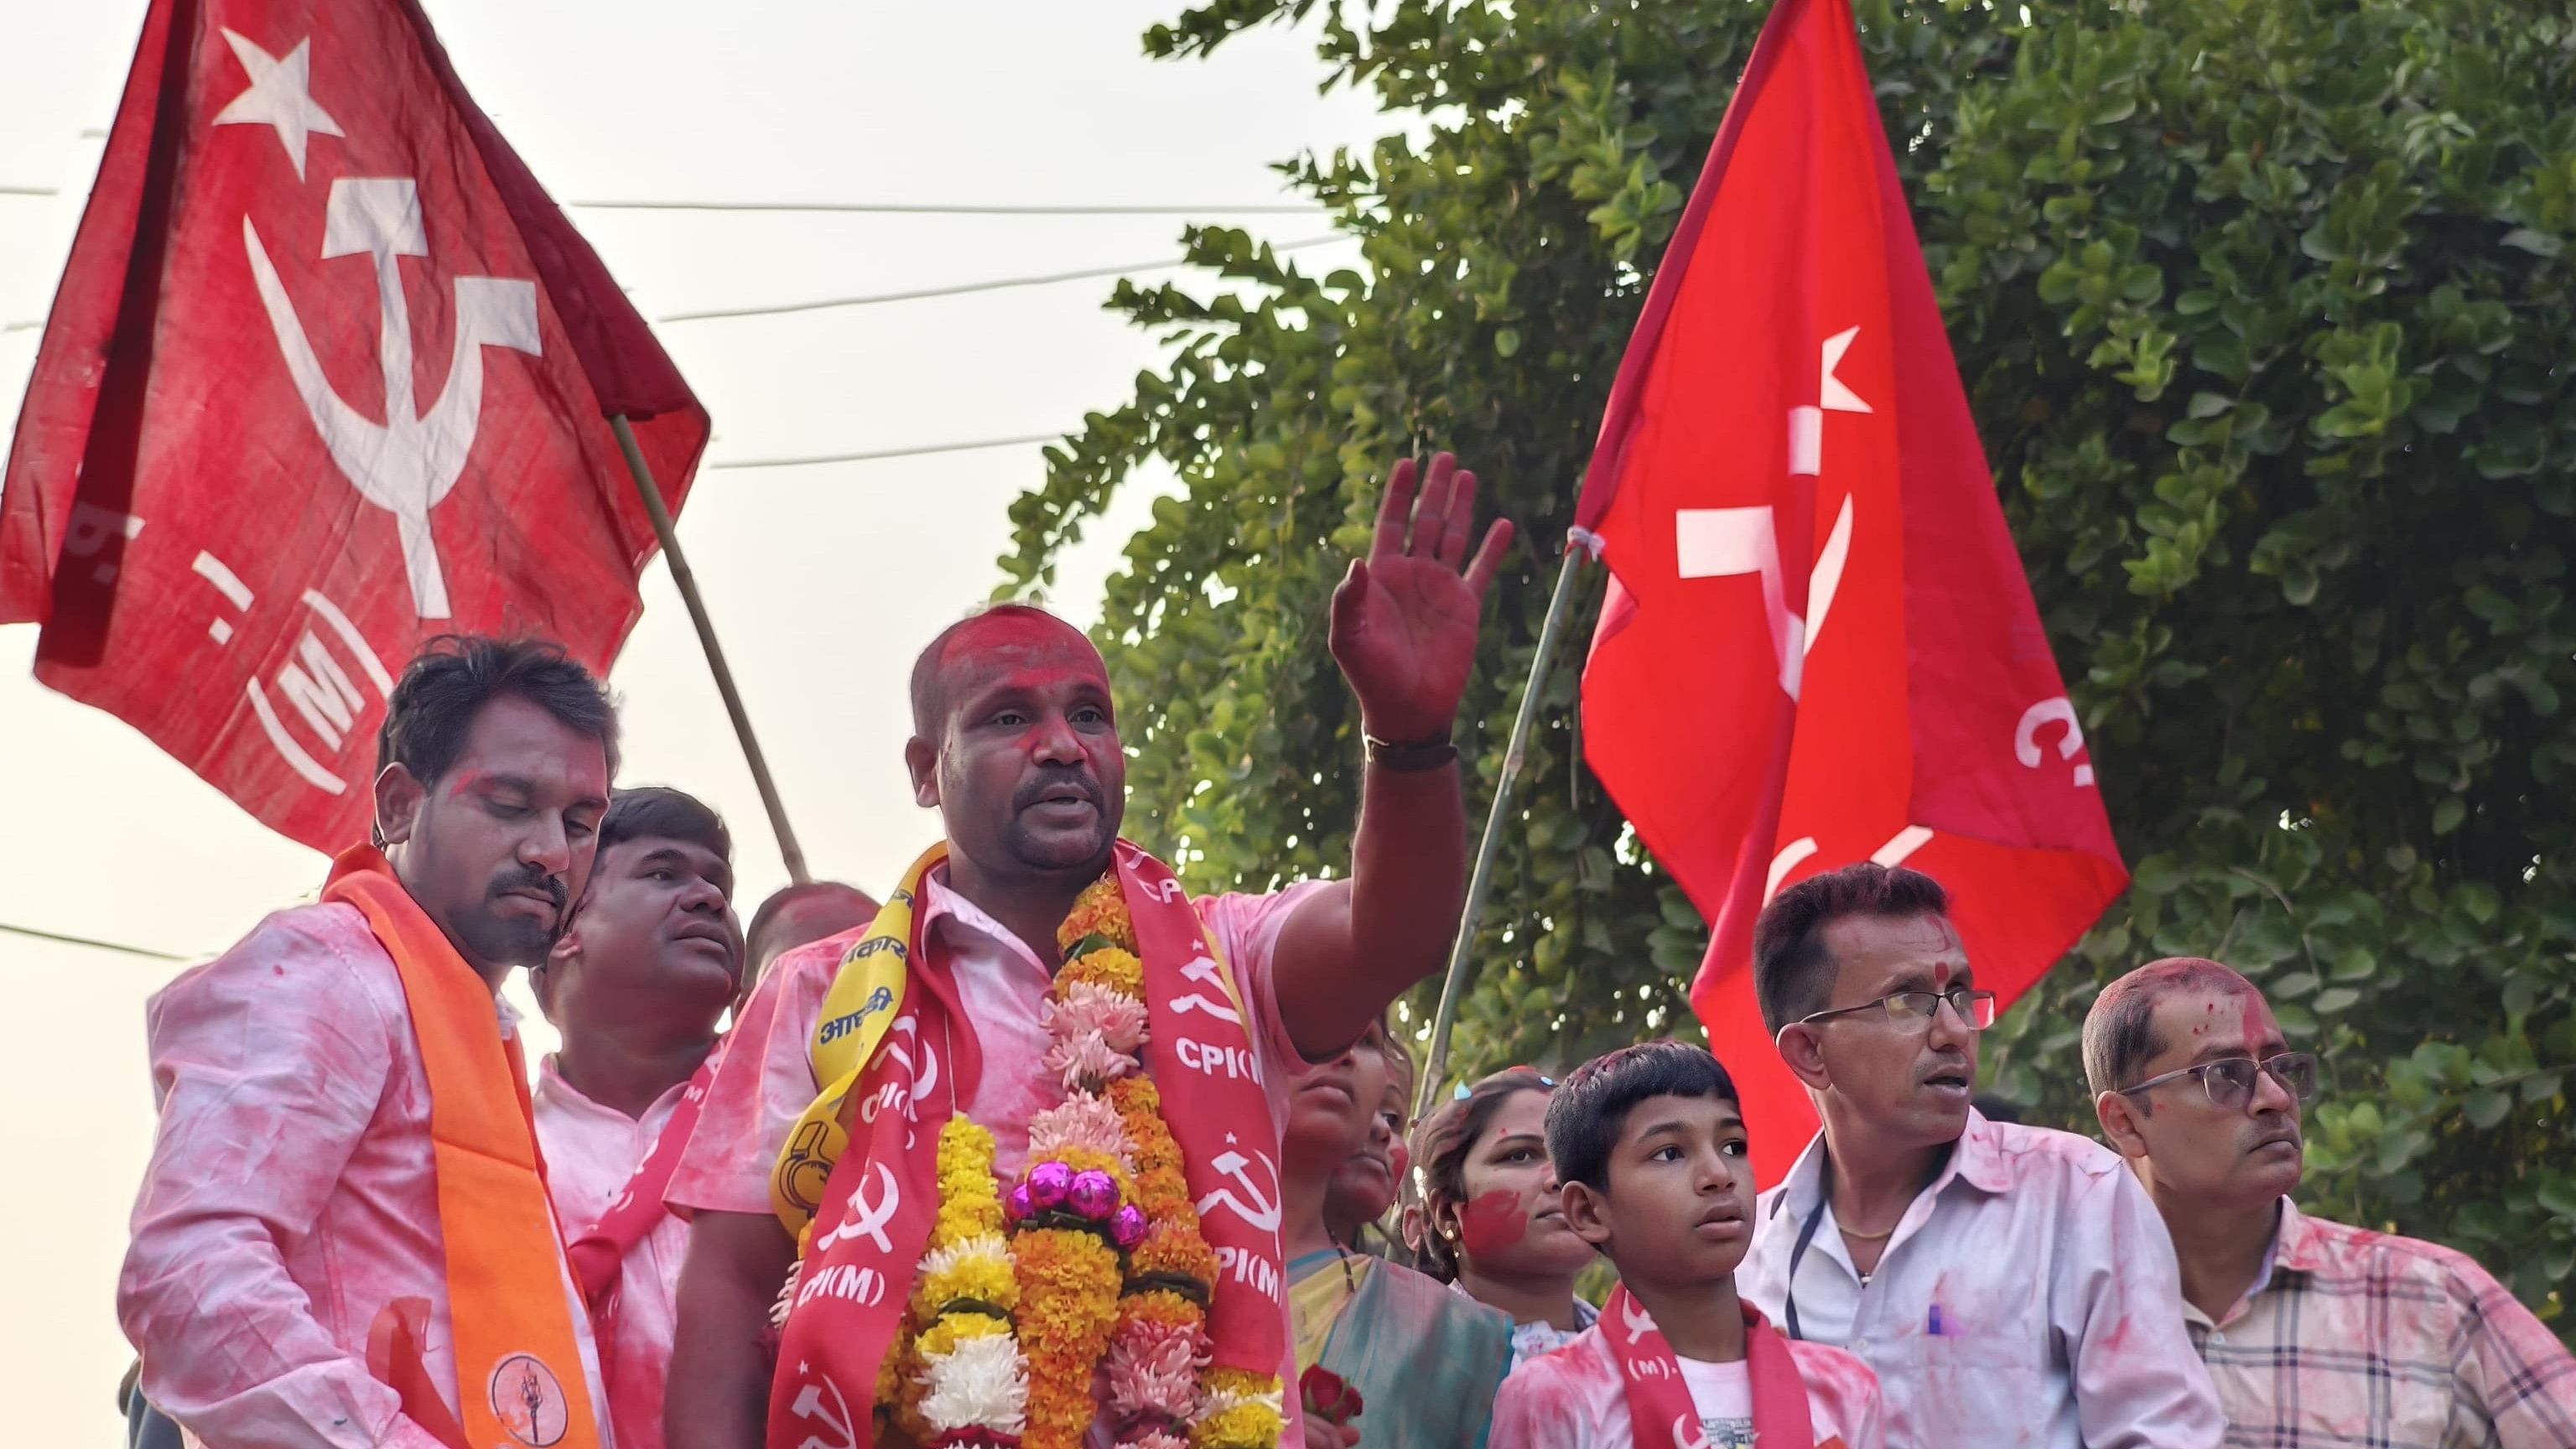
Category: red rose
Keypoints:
(1328, 1396)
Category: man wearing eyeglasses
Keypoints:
(2316, 1334)
(2010, 1285)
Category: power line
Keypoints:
(962, 288)
(907, 208)
(93, 945)
(915, 452)
(30, 191)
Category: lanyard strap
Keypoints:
(1806, 1235)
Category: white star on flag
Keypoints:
(280, 96)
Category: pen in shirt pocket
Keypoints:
(1934, 1326)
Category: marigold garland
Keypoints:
(1104, 1264)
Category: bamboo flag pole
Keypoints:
(688, 586)
(1578, 544)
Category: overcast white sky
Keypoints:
(1000, 101)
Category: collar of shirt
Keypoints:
(1974, 1160)
(953, 917)
(2293, 1247)
(552, 1090)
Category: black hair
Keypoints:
(1793, 973)
(1441, 1146)
(2120, 1028)
(446, 685)
(658, 812)
(928, 704)
(1592, 1104)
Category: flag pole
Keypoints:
(688, 586)
(1578, 544)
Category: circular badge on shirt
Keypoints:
(529, 1401)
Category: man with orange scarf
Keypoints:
(343, 1237)
(1018, 1138)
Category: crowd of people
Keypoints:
(1041, 1150)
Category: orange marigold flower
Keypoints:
(1101, 910)
(1069, 1284)
(1112, 968)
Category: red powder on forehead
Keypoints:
(1493, 1222)
(1019, 634)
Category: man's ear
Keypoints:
(921, 757)
(1804, 1052)
(1586, 1212)
(2120, 1114)
(399, 795)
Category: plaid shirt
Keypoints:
(2359, 1338)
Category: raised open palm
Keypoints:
(1404, 618)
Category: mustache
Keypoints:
(529, 878)
(1056, 777)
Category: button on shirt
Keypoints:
(2028, 1297)
(286, 1238)
(767, 1078)
(2357, 1338)
(592, 1152)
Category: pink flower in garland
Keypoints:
(1087, 1063)
(1118, 1017)
(1080, 1122)
(1153, 1368)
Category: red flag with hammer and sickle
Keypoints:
(327, 375)
(1819, 646)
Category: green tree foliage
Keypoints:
(2264, 314)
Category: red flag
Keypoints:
(1819, 646)
(327, 375)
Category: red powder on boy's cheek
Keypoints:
(1399, 1160)
(1493, 1222)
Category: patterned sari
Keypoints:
(1426, 1361)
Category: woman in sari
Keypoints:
(1491, 1224)
(1423, 1361)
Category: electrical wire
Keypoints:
(871, 457)
(908, 208)
(29, 191)
(962, 288)
(59, 938)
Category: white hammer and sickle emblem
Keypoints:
(868, 1217)
(1687, 1435)
(407, 464)
(835, 1420)
(1639, 1323)
(1260, 1212)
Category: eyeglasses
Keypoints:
(2230, 1080)
(1915, 1008)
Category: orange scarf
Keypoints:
(518, 1360)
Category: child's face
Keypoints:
(1331, 1106)
(1364, 1188)
(1513, 1220)
(1678, 1207)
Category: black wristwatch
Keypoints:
(1411, 759)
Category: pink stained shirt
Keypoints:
(767, 1078)
(2029, 1299)
(1576, 1398)
(592, 1152)
(290, 1209)
(2356, 1338)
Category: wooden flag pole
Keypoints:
(1462, 952)
(688, 585)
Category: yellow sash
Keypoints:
(866, 996)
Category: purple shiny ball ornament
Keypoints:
(1048, 1184)
(1094, 1194)
(1018, 1206)
(1129, 1226)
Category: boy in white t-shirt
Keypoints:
(1649, 1142)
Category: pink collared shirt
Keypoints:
(767, 1078)
(288, 1220)
(592, 1152)
(2359, 1338)
(2029, 1299)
